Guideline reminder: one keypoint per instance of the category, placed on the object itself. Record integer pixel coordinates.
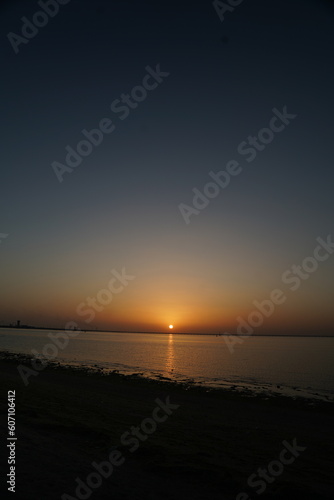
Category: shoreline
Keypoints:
(68, 418)
(246, 389)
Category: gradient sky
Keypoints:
(120, 207)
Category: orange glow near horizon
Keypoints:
(192, 299)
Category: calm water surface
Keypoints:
(298, 365)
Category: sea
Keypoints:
(294, 366)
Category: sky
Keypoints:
(122, 208)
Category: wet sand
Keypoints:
(206, 448)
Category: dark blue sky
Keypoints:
(120, 206)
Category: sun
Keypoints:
(171, 327)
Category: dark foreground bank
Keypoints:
(87, 435)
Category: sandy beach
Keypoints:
(208, 445)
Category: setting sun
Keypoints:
(171, 327)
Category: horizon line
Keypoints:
(27, 327)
